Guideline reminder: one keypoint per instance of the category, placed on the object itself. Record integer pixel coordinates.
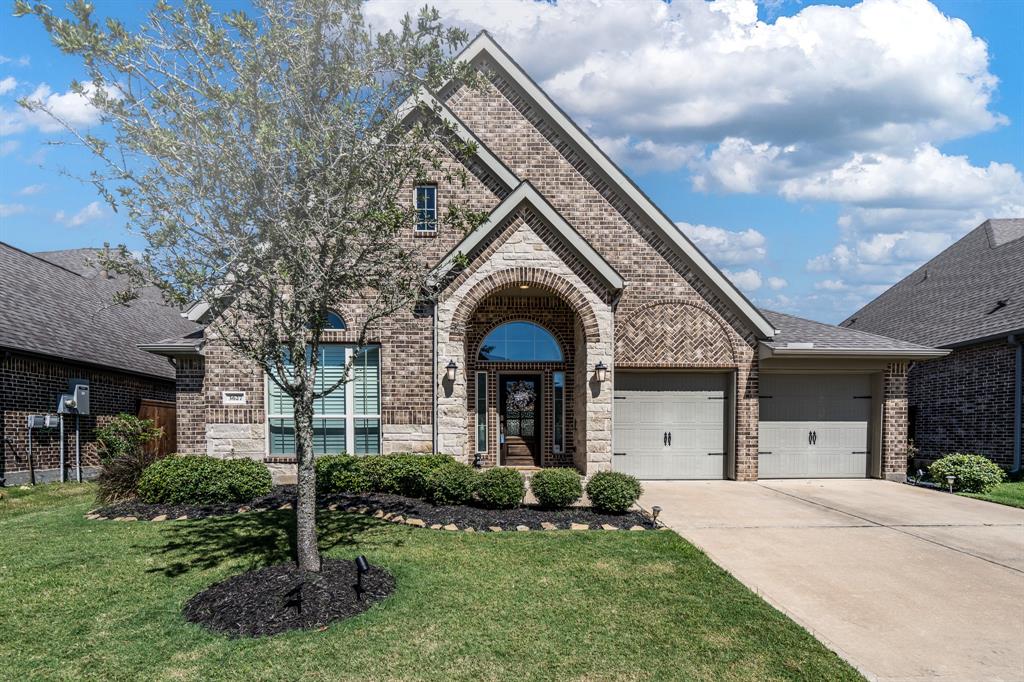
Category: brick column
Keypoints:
(747, 415)
(191, 406)
(894, 422)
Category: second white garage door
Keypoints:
(814, 426)
(670, 425)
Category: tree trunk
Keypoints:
(307, 551)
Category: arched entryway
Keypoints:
(521, 357)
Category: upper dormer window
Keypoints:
(426, 208)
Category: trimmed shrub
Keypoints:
(246, 479)
(124, 456)
(198, 479)
(340, 474)
(451, 483)
(400, 473)
(500, 488)
(974, 473)
(613, 492)
(556, 488)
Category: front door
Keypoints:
(519, 412)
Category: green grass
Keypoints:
(102, 600)
(24, 499)
(1011, 493)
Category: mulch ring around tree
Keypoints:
(394, 508)
(275, 599)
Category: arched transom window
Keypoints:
(520, 342)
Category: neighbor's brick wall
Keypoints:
(964, 402)
(894, 422)
(30, 385)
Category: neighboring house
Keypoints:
(59, 323)
(582, 329)
(970, 299)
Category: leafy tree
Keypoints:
(264, 157)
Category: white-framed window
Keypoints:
(481, 411)
(426, 208)
(558, 401)
(345, 420)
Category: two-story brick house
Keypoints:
(581, 328)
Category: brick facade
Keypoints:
(964, 402)
(30, 385)
(666, 316)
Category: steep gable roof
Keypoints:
(56, 304)
(971, 291)
(485, 46)
(528, 194)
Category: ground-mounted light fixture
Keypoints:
(655, 510)
(362, 566)
(524, 286)
(449, 370)
(949, 481)
(601, 372)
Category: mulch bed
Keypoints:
(275, 599)
(483, 519)
(390, 508)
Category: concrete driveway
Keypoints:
(904, 583)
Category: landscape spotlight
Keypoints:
(362, 566)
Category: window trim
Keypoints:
(476, 414)
(415, 202)
(349, 417)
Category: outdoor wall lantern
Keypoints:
(601, 372)
(449, 370)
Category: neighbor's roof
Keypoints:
(56, 304)
(973, 290)
(801, 337)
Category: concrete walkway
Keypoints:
(904, 583)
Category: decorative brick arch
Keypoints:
(512, 277)
(674, 333)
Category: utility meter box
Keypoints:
(37, 421)
(76, 400)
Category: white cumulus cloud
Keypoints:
(88, 213)
(7, 84)
(748, 280)
(726, 246)
(7, 210)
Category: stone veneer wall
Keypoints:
(964, 402)
(894, 422)
(30, 385)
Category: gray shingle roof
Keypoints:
(954, 298)
(59, 306)
(828, 337)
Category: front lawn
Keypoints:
(102, 600)
(1010, 493)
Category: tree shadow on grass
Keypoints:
(253, 539)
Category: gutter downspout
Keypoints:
(1016, 340)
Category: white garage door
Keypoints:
(669, 425)
(814, 426)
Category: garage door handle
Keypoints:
(715, 454)
(619, 454)
(664, 438)
(814, 434)
(670, 439)
(764, 452)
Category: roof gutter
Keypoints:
(767, 351)
(172, 350)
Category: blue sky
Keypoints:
(816, 151)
